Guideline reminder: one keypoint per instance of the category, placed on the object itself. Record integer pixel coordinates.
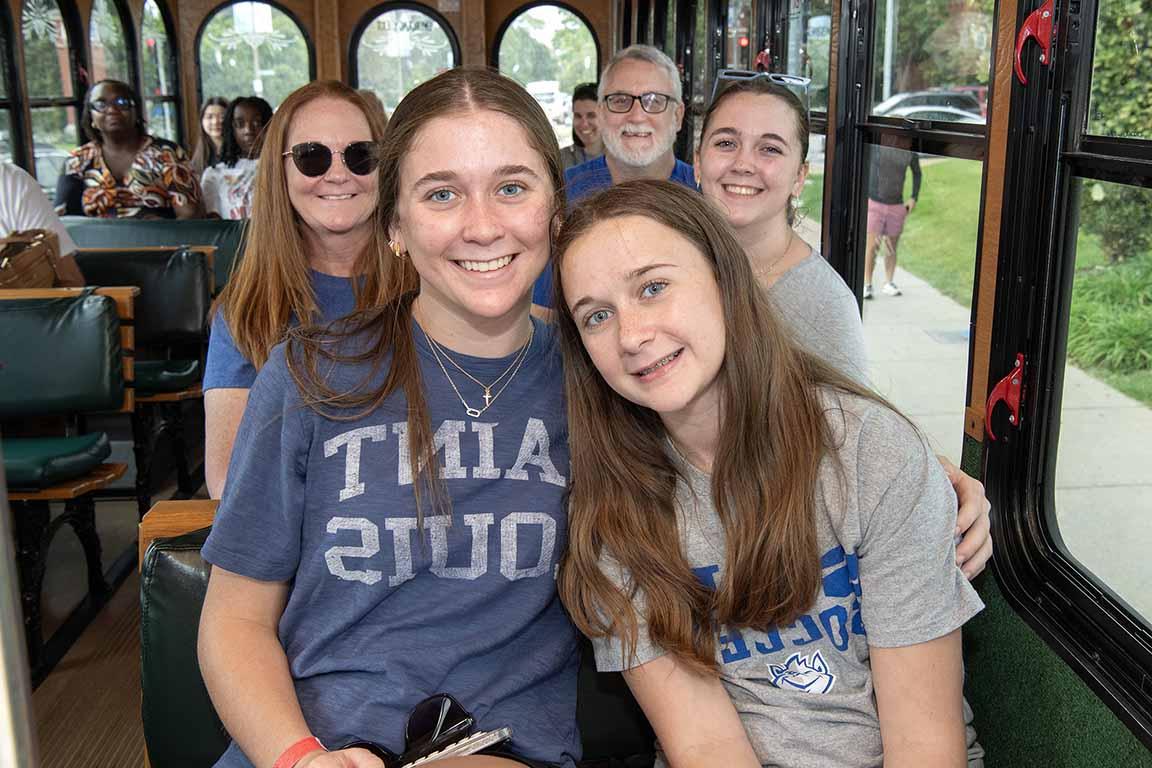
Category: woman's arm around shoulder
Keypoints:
(919, 695)
(692, 715)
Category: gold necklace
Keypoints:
(489, 398)
(768, 270)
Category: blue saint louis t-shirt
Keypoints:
(585, 180)
(380, 615)
(226, 367)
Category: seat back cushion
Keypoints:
(60, 356)
(226, 235)
(174, 289)
(182, 730)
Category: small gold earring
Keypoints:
(396, 250)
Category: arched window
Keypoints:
(54, 94)
(159, 84)
(549, 49)
(396, 47)
(108, 43)
(252, 49)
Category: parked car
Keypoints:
(943, 98)
(948, 114)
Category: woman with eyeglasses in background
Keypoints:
(228, 185)
(314, 250)
(123, 172)
(752, 162)
(207, 151)
(586, 143)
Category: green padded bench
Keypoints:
(65, 354)
(226, 235)
(171, 321)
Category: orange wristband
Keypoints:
(289, 757)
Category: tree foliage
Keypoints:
(575, 51)
(1120, 106)
(939, 43)
(270, 62)
(524, 58)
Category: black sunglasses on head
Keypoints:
(314, 159)
(433, 724)
(796, 83)
(122, 103)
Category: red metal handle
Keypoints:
(1008, 390)
(1037, 26)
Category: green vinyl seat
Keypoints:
(159, 376)
(171, 318)
(227, 236)
(40, 462)
(64, 355)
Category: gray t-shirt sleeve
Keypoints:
(913, 591)
(611, 651)
(818, 309)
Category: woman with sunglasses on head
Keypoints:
(762, 545)
(314, 249)
(228, 185)
(123, 172)
(752, 162)
(207, 151)
(394, 512)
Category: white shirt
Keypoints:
(228, 191)
(23, 205)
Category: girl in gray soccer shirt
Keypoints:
(762, 545)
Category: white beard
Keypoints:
(637, 158)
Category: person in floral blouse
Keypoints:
(122, 171)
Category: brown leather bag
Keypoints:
(28, 259)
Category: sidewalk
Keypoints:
(918, 349)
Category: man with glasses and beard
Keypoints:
(640, 110)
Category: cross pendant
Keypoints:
(487, 396)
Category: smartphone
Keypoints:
(469, 746)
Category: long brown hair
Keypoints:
(312, 352)
(762, 86)
(271, 282)
(622, 498)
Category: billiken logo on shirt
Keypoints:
(527, 540)
(827, 624)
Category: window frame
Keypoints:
(685, 61)
(855, 129)
(643, 21)
(304, 32)
(13, 102)
(77, 60)
(1085, 624)
(379, 10)
(174, 57)
(494, 54)
(128, 31)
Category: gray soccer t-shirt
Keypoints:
(885, 534)
(818, 308)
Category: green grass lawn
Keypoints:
(1112, 303)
